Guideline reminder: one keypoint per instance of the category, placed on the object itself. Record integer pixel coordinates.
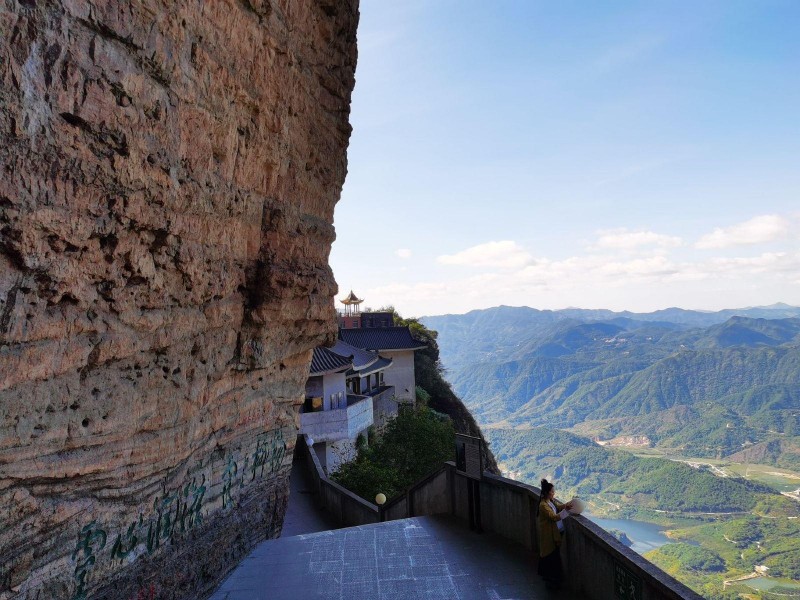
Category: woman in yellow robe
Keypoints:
(550, 530)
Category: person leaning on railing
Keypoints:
(550, 515)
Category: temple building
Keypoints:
(393, 342)
(375, 331)
(344, 383)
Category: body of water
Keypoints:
(767, 583)
(645, 536)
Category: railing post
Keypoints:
(451, 486)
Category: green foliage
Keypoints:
(423, 397)
(743, 532)
(586, 469)
(412, 445)
(710, 391)
(695, 558)
(429, 376)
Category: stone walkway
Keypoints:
(302, 514)
(423, 557)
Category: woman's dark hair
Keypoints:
(546, 487)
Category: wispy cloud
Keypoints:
(768, 262)
(403, 253)
(623, 239)
(758, 230)
(505, 254)
(509, 275)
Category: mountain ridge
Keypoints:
(738, 375)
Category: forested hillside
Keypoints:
(722, 526)
(712, 390)
(637, 485)
(599, 400)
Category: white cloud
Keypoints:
(623, 239)
(504, 254)
(769, 262)
(403, 252)
(758, 230)
(595, 280)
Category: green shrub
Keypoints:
(412, 445)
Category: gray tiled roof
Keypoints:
(361, 358)
(381, 338)
(378, 365)
(326, 361)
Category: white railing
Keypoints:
(338, 423)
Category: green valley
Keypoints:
(685, 419)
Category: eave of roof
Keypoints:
(360, 357)
(381, 338)
(325, 361)
(379, 365)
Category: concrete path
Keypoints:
(302, 514)
(423, 557)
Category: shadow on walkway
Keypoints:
(302, 514)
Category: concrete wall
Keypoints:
(384, 407)
(595, 561)
(339, 423)
(429, 496)
(401, 374)
(508, 508)
(593, 558)
(342, 504)
(333, 385)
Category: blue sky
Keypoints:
(595, 154)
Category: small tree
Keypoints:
(413, 444)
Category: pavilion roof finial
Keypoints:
(351, 299)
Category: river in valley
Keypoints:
(645, 536)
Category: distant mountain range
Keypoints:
(702, 383)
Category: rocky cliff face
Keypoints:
(168, 173)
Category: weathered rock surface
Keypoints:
(168, 174)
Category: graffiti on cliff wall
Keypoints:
(228, 481)
(90, 539)
(266, 458)
(175, 512)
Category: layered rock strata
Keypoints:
(168, 174)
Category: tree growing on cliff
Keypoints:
(413, 444)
